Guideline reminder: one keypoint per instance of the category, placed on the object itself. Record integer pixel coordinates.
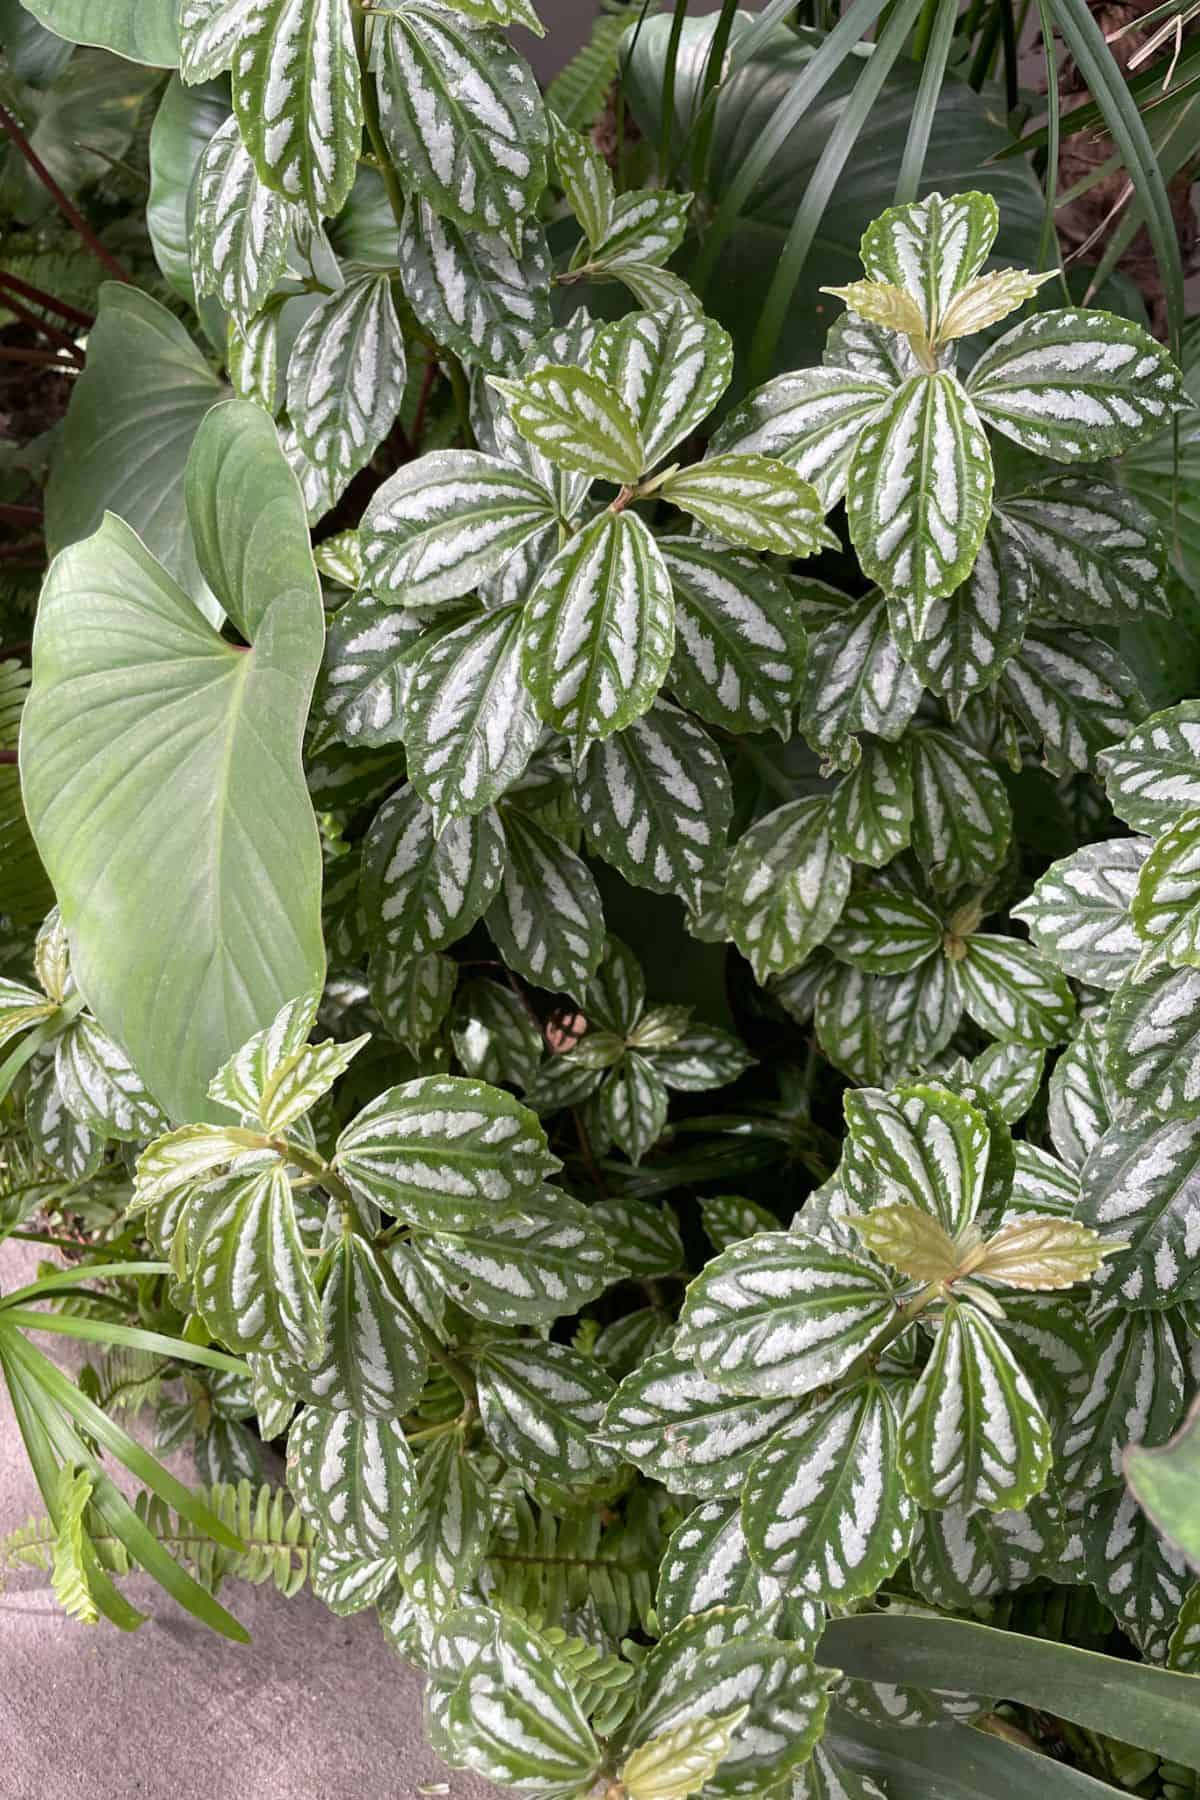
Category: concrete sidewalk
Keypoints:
(314, 1708)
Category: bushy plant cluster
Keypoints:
(624, 980)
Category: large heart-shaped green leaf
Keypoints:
(141, 30)
(162, 767)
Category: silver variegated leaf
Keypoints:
(56, 1135)
(616, 996)
(21, 1007)
(656, 802)
(752, 500)
(1082, 1097)
(825, 1777)
(646, 228)
(811, 419)
(780, 1314)
(702, 1057)
(932, 248)
(1074, 693)
(463, 118)
(471, 290)
(547, 920)
(495, 1037)
(869, 350)
(277, 1074)
(973, 632)
(374, 1361)
(856, 680)
(729, 1217)
(786, 886)
(1053, 1342)
(1078, 912)
(1076, 385)
(443, 523)
(1141, 1184)
(367, 670)
(870, 814)
(739, 638)
(1142, 1578)
(824, 1509)
(973, 1434)
(707, 1563)
(885, 931)
(670, 367)
(1010, 1075)
(599, 630)
(1013, 992)
(516, 1719)
(208, 36)
(422, 890)
(879, 1027)
(454, 1520)
(469, 723)
(297, 96)
(240, 228)
(525, 1267)
(445, 1152)
(1097, 555)
(100, 1087)
(348, 1583)
(585, 178)
(411, 993)
(1153, 1038)
(1166, 903)
(540, 1405)
(962, 821)
(576, 420)
(252, 1278)
(919, 495)
(920, 1146)
(959, 1559)
(1135, 1395)
(724, 1652)
(345, 378)
(634, 1104)
(675, 1425)
(1154, 775)
(643, 1239)
(354, 1480)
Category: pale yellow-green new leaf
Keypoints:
(1043, 1252)
(679, 1762)
(883, 304)
(988, 299)
(910, 1240)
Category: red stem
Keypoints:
(41, 298)
(431, 370)
(67, 208)
(20, 515)
(49, 358)
(43, 325)
(8, 756)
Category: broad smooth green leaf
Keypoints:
(470, 726)
(932, 249)
(374, 1362)
(1013, 992)
(1141, 1184)
(1097, 555)
(599, 630)
(1164, 1483)
(1074, 693)
(1154, 774)
(253, 1283)
(577, 420)
(1106, 1694)
(811, 419)
(786, 886)
(345, 378)
(1135, 1394)
(739, 638)
(973, 1434)
(669, 367)
(1166, 905)
(1076, 385)
(297, 95)
(856, 680)
(547, 920)
(422, 891)
(445, 1153)
(656, 802)
(132, 418)
(443, 523)
(973, 632)
(824, 1509)
(354, 1480)
(1078, 913)
(870, 814)
(752, 500)
(462, 117)
(526, 1266)
(962, 820)
(240, 228)
(141, 30)
(671, 1422)
(540, 1405)
(471, 291)
(955, 1762)
(780, 1314)
(114, 784)
(919, 495)
(1153, 1041)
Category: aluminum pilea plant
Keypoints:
(466, 730)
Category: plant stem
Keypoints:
(67, 208)
(42, 325)
(370, 98)
(905, 1315)
(40, 297)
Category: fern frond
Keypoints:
(30, 1546)
(132, 1379)
(577, 92)
(68, 1574)
(553, 1568)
